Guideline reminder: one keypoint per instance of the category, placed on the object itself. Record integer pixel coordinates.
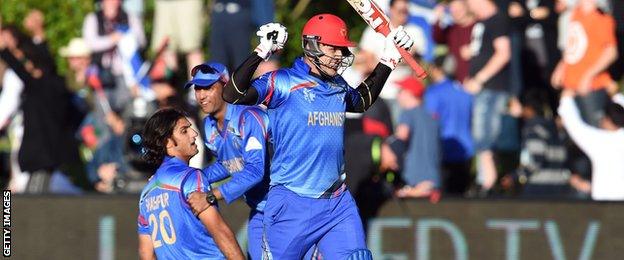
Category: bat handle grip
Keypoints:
(407, 57)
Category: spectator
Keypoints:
(488, 80)
(167, 95)
(34, 23)
(10, 116)
(102, 31)
(537, 30)
(543, 154)
(239, 16)
(48, 143)
(587, 56)
(451, 106)
(135, 8)
(369, 160)
(457, 35)
(12, 86)
(604, 145)
(617, 68)
(182, 22)
(538, 21)
(5, 168)
(102, 129)
(419, 133)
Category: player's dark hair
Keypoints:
(157, 129)
(615, 112)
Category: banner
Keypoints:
(104, 227)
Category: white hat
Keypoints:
(77, 47)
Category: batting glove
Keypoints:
(397, 38)
(273, 36)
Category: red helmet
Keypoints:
(327, 29)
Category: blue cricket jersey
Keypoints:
(306, 118)
(165, 215)
(241, 148)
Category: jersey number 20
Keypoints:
(168, 237)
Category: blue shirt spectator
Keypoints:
(419, 131)
(447, 102)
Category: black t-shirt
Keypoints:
(482, 46)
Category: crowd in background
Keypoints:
(521, 99)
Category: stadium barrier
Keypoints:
(104, 227)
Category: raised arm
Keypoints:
(238, 90)
(585, 136)
(368, 91)
(15, 64)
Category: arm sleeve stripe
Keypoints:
(199, 181)
(308, 84)
(271, 89)
(257, 117)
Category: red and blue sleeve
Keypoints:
(273, 88)
(194, 181)
(142, 225)
(252, 126)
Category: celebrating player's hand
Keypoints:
(273, 36)
(198, 202)
(397, 38)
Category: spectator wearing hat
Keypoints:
(78, 55)
(418, 133)
(102, 129)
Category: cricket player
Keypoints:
(308, 202)
(237, 136)
(166, 225)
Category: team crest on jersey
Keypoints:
(213, 137)
(308, 95)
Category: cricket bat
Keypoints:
(377, 19)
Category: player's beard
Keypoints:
(194, 149)
(334, 65)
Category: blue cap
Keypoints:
(206, 74)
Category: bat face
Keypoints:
(371, 14)
(375, 18)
